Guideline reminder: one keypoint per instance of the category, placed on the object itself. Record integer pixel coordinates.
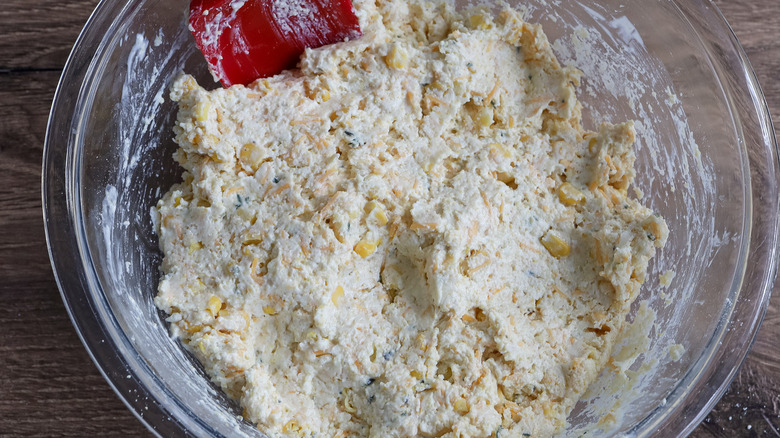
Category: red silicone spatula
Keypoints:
(248, 39)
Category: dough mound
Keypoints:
(410, 235)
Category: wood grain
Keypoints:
(751, 406)
(39, 34)
(48, 384)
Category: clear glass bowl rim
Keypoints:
(147, 397)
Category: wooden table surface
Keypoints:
(48, 384)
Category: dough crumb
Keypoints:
(409, 235)
(676, 351)
(666, 278)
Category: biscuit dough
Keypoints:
(410, 235)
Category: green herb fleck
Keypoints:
(353, 139)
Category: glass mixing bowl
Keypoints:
(707, 161)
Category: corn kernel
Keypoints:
(416, 374)
(337, 226)
(247, 319)
(337, 294)
(189, 83)
(291, 426)
(478, 21)
(570, 195)
(421, 342)
(397, 58)
(497, 149)
(191, 329)
(194, 247)
(348, 401)
(214, 305)
(514, 411)
(270, 310)
(592, 144)
(202, 347)
(376, 209)
(246, 214)
(461, 406)
(547, 409)
(250, 156)
(325, 95)
(202, 110)
(556, 246)
(381, 217)
(485, 117)
(364, 248)
(467, 318)
(312, 335)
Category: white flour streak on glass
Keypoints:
(144, 60)
(627, 33)
(107, 214)
(143, 91)
(131, 100)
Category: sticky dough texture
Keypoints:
(410, 235)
